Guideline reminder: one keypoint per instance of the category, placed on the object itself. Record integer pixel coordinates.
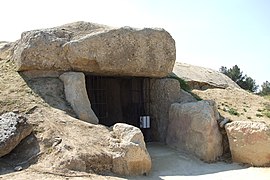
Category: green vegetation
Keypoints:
(237, 76)
(266, 110)
(184, 85)
(265, 89)
(259, 115)
(267, 114)
(233, 111)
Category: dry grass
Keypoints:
(238, 104)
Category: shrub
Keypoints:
(259, 115)
(267, 114)
(233, 111)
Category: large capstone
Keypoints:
(97, 49)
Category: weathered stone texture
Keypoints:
(98, 49)
(131, 156)
(76, 95)
(193, 127)
(13, 129)
(163, 93)
(249, 142)
(202, 78)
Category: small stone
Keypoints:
(223, 122)
(16, 111)
(57, 141)
(18, 168)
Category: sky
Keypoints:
(208, 33)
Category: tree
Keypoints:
(248, 84)
(236, 75)
(223, 70)
(265, 88)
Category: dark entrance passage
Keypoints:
(115, 99)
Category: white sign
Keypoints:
(144, 121)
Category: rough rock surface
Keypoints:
(131, 156)
(163, 93)
(249, 142)
(13, 129)
(5, 49)
(76, 95)
(202, 78)
(193, 127)
(98, 49)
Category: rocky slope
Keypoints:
(59, 142)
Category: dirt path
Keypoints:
(170, 164)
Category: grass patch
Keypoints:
(233, 111)
(184, 85)
(259, 115)
(267, 114)
(267, 97)
(266, 110)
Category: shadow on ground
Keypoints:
(25, 154)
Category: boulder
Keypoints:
(202, 78)
(13, 129)
(249, 142)
(98, 49)
(76, 95)
(193, 127)
(131, 156)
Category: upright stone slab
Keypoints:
(76, 95)
(163, 92)
(193, 127)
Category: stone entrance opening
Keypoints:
(119, 99)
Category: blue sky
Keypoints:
(209, 33)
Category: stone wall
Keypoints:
(163, 92)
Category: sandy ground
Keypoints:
(167, 164)
(171, 164)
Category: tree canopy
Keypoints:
(237, 76)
